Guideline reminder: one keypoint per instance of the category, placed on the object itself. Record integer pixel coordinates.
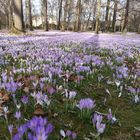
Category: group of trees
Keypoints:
(76, 15)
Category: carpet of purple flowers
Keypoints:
(66, 86)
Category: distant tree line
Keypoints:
(76, 15)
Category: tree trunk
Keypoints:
(65, 15)
(69, 12)
(0, 21)
(114, 16)
(98, 17)
(88, 21)
(78, 16)
(60, 13)
(109, 21)
(126, 16)
(30, 15)
(46, 15)
(10, 14)
(107, 15)
(94, 15)
(18, 16)
(7, 20)
(122, 21)
(139, 29)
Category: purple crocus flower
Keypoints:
(109, 115)
(94, 118)
(96, 61)
(30, 136)
(132, 90)
(24, 99)
(41, 85)
(18, 115)
(4, 77)
(97, 118)
(68, 133)
(22, 129)
(17, 137)
(51, 90)
(11, 87)
(37, 128)
(49, 128)
(100, 127)
(71, 94)
(123, 70)
(10, 128)
(73, 135)
(41, 98)
(97, 121)
(119, 76)
(86, 103)
(120, 59)
(32, 124)
(40, 133)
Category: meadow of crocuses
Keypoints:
(65, 86)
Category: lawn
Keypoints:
(64, 85)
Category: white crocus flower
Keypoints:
(136, 99)
(117, 82)
(62, 133)
(72, 94)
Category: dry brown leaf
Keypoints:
(14, 132)
(26, 89)
(6, 97)
(19, 78)
(137, 134)
(39, 111)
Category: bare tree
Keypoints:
(139, 29)
(30, 15)
(78, 16)
(88, 12)
(114, 15)
(107, 15)
(98, 17)
(70, 11)
(60, 14)
(89, 16)
(65, 15)
(45, 2)
(18, 16)
(126, 16)
(94, 14)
